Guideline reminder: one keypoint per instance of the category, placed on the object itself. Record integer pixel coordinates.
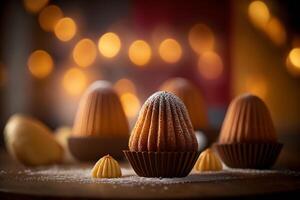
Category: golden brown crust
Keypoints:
(247, 120)
(163, 125)
(191, 97)
(31, 142)
(208, 161)
(106, 167)
(100, 113)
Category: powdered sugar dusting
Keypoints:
(82, 175)
(169, 97)
(166, 95)
(163, 125)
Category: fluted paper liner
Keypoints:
(162, 164)
(249, 155)
(92, 148)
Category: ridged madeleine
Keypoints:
(100, 113)
(247, 120)
(163, 125)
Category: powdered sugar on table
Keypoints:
(82, 175)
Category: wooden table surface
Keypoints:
(17, 182)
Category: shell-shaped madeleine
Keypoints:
(106, 167)
(247, 120)
(31, 142)
(191, 97)
(163, 125)
(100, 113)
(208, 161)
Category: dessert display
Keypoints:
(208, 161)
(162, 142)
(100, 125)
(106, 167)
(192, 99)
(31, 142)
(139, 99)
(248, 138)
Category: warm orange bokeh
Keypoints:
(201, 38)
(109, 45)
(139, 52)
(85, 52)
(74, 81)
(170, 50)
(40, 64)
(65, 29)
(293, 62)
(124, 85)
(259, 14)
(131, 104)
(49, 16)
(276, 31)
(294, 57)
(210, 65)
(34, 6)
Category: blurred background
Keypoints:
(51, 50)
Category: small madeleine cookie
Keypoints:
(208, 161)
(106, 167)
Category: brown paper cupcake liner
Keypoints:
(162, 164)
(249, 155)
(89, 149)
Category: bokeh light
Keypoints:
(34, 6)
(257, 85)
(294, 57)
(65, 29)
(85, 52)
(127, 92)
(293, 62)
(139, 52)
(74, 81)
(170, 50)
(49, 16)
(124, 85)
(109, 45)
(210, 65)
(201, 38)
(131, 104)
(40, 64)
(276, 31)
(259, 14)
